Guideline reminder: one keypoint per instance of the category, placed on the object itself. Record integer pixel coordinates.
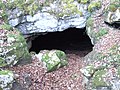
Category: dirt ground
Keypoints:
(34, 77)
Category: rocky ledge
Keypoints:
(52, 18)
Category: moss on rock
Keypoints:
(95, 36)
(105, 57)
(13, 47)
(84, 1)
(6, 79)
(65, 8)
(112, 7)
(101, 32)
(98, 78)
(6, 26)
(53, 59)
(94, 5)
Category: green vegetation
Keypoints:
(26, 6)
(101, 32)
(6, 27)
(66, 8)
(118, 71)
(98, 78)
(114, 54)
(115, 1)
(16, 48)
(89, 22)
(32, 6)
(83, 1)
(6, 72)
(54, 59)
(94, 5)
(2, 62)
(112, 7)
(70, 8)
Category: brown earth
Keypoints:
(33, 77)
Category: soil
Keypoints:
(34, 77)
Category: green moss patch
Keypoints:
(97, 79)
(94, 5)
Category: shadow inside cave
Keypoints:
(69, 39)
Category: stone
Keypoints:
(6, 79)
(52, 59)
(49, 19)
(88, 71)
(14, 22)
(101, 71)
(104, 60)
(13, 47)
(113, 16)
(98, 78)
(17, 86)
(47, 23)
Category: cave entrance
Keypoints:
(69, 39)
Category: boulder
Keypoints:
(13, 47)
(112, 15)
(6, 79)
(52, 59)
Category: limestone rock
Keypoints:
(58, 16)
(102, 64)
(52, 59)
(44, 22)
(101, 71)
(113, 16)
(6, 79)
(13, 47)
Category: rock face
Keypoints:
(44, 22)
(68, 14)
(13, 47)
(102, 64)
(52, 59)
(6, 79)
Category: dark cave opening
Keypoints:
(69, 39)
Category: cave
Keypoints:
(69, 39)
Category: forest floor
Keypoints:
(34, 77)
